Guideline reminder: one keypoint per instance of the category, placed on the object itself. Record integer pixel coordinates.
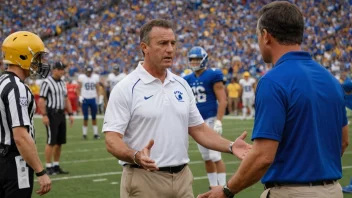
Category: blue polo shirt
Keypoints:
(301, 105)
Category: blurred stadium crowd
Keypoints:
(103, 34)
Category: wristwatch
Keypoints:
(41, 173)
(227, 192)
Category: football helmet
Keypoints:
(116, 68)
(26, 50)
(246, 74)
(197, 53)
(88, 70)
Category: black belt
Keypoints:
(316, 183)
(171, 169)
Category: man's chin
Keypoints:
(167, 65)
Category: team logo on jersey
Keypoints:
(178, 95)
(23, 101)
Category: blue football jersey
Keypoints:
(347, 86)
(203, 91)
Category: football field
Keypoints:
(95, 173)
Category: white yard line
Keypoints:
(95, 150)
(103, 149)
(79, 151)
(119, 173)
(101, 117)
(99, 180)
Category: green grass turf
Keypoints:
(95, 173)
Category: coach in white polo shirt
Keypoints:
(148, 118)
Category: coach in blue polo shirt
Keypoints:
(300, 129)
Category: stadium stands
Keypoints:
(102, 34)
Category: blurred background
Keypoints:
(106, 33)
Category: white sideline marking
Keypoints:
(119, 173)
(79, 151)
(84, 176)
(102, 117)
(89, 160)
(97, 149)
(114, 183)
(103, 149)
(99, 180)
(346, 167)
(113, 158)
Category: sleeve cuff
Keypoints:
(266, 136)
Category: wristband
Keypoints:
(44, 114)
(134, 158)
(230, 147)
(70, 114)
(41, 173)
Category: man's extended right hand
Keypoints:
(144, 160)
(240, 147)
(44, 183)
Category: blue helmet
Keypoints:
(88, 69)
(198, 53)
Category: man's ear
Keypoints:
(266, 36)
(143, 47)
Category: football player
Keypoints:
(88, 93)
(209, 92)
(112, 79)
(248, 86)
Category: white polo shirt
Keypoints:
(141, 108)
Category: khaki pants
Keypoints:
(139, 183)
(325, 191)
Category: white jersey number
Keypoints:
(89, 86)
(199, 93)
(247, 88)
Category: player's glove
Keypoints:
(218, 126)
(80, 99)
(101, 99)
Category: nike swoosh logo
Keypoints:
(146, 98)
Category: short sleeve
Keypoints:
(195, 118)
(228, 87)
(65, 88)
(218, 76)
(240, 82)
(17, 105)
(44, 88)
(270, 107)
(80, 78)
(118, 113)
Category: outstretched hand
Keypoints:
(144, 159)
(240, 147)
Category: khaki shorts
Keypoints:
(294, 191)
(139, 183)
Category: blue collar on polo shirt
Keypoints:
(147, 78)
(295, 55)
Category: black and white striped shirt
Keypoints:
(55, 93)
(17, 107)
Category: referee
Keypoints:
(22, 54)
(52, 103)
